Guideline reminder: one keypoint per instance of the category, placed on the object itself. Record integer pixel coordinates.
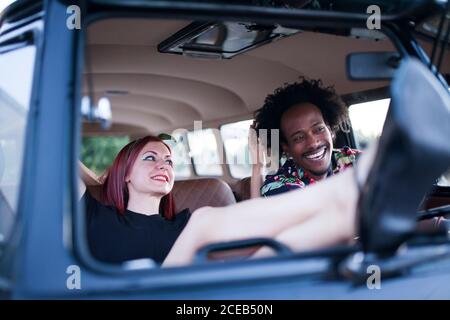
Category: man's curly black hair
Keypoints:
(333, 109)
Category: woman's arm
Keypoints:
(87, 178)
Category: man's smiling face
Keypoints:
(308, 139)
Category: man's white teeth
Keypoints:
(317, 156)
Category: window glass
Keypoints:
(235, 140)
(204, 152)
(16, 78)
(367, 120)
(98, 153)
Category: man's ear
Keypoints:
(333, 134)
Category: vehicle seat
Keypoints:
(197, 193)
(192, 194)
(242, 189)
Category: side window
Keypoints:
(16, 77)
(204, 152)
(235, 140)
(98, 153)
(367, 120)
(444, 180)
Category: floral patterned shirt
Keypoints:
(289, 177)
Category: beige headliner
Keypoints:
(170, 91)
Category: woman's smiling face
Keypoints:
(309, 139)
(152, 172)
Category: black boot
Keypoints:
(413, 151)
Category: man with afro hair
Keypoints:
(306, 116)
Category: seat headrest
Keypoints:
(192, 194)
(242, 189)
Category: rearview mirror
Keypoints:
(372, 65)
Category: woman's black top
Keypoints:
(115, 238)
